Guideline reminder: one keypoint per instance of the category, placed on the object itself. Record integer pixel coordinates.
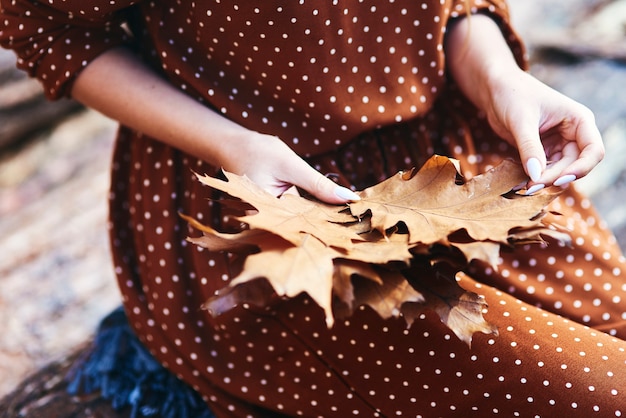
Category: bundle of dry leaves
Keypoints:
(397, 250)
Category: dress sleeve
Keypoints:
(499, 11)
(54, 40)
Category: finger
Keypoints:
(531, 152)
(573, 149)
(524, 130)
(590, 146)
(322, 187)
(560, 161)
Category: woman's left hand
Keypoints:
(556, 137)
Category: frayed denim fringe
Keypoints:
(125, 373)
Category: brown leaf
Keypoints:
(367, 253)
(458, 309)
(386, 298)
(378, 249)
(433, 206)
(486, 251)
(288, 216)
(343, 289)
(258, 292)
(534, 235)
(242, 242)
(292, 270)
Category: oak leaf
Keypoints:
(365, 253)
(389, 296)
(244, 241)
(433, 205)
(343, 289)
(460, 310)
(291, 270)
(288, 215)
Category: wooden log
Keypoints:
(597, 30)
(19, 123)
(44, 395)
(24, 109)
(57, 281)
(578, 47)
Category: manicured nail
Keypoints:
(533, 167)
(563, 180)
(535, 189)
(346, 194)
(519, 186)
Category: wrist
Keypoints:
(478, 57)
(492, 80)
(243, 149)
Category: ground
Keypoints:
(56, 281)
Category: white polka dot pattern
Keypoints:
(359, 87)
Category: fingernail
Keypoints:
(533, 167)
(519, 186)
(535, 188)
(346, 194)
(563, 180)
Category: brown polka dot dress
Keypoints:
(360, 89)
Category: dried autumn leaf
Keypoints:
(241, 242)
(386, 297)
(458, 309)
(259, 293)
(433, 206)
(343, 289)
(364, 254)
(535, 235)
(380, 250)
(288, 216)
(292, 270)
(486, 251)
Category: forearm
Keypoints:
(478, 57)
(120, 86)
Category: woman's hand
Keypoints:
(271, 164)
(556, 137)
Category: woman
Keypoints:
(286, 92)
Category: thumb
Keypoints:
(325, 189)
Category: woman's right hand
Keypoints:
(270, 163)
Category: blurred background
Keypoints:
(56, 281)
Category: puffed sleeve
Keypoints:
(499, 11)
(55, 39)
